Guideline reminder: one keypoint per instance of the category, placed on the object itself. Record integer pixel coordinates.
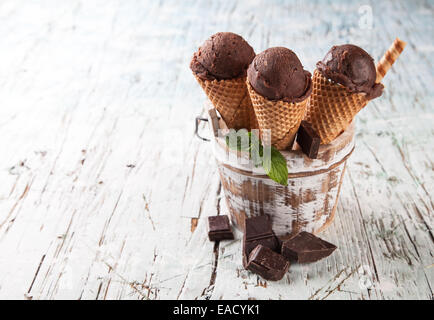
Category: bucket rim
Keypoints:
(291, 175)
(299, 165)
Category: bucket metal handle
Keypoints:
(196, 129)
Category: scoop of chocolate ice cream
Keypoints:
(225, 55)
(277, 74)
(351, 67)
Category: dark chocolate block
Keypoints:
(305, 248)
(308, 139)
(267, 263)
(258, 231)
(219, 228)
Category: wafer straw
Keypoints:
(389, 58)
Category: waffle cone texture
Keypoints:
(232, 101)
(282, 118)
(332, 107)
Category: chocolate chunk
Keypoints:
(305, 248)
(308, 139)
(258, 231)
(219, 228)
(267, 263)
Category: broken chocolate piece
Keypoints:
(305, 248)
(219, 228)
(308, 139)
(267, 263)
(258, 231)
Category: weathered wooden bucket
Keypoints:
(309, 201)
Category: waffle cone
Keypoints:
(332, 107)
(232, 101)
(282, 118)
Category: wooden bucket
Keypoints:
(309, 201)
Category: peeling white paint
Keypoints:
(98, 102)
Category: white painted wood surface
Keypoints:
(104, 190)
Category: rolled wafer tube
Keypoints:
(389, 58)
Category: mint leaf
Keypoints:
(275, 165)
(256, 150)
(238, 140)
(268, 157)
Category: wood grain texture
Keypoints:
(104, 189)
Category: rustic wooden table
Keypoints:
(104, 189)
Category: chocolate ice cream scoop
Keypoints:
(225, 55)
(353, 68)
(277, 74)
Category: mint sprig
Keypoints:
(271, 160)
(275, 166)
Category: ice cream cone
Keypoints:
(332, 107)
(231, 99)
(282, 118)
(252, 117)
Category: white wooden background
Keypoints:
(104, 190)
